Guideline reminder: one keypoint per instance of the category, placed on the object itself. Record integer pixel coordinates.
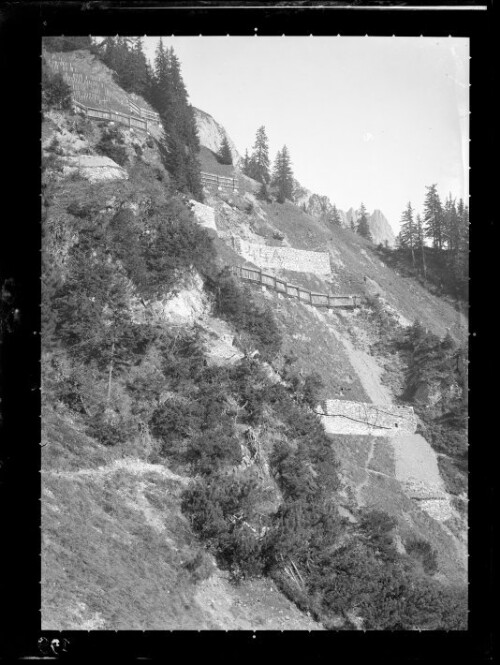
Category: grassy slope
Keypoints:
(406, 295)
(115, 547)
(209, 164)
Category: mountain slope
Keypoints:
(120, 548)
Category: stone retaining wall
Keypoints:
(345, 417)
(284, 258)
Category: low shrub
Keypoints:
(56, 93)
(235, 304)
(200, 566)
(111, 144)
(422, 550)
(220, 508)
(212, 448)
(109, 432)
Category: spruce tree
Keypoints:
(450, 224)
(421, 243)
(363, 228)
(180, 144)
(408, 232)
(433, 217)
(283, 175)
(335, 216)
(259, 161)
(224, 155)
(246, 164)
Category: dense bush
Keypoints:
(220, 509)
(112, 145)
(109, 432)
(235, 304)
(422, 550)
(174, 245)
(56, 93)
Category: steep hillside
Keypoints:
(321, 207)
(93, 84)
(194, 474)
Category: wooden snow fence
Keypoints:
(326, 300)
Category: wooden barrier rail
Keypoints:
(84, 85)
(310, 297)
(219, 180)
(116, 116)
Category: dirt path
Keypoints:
(418, 472)
(359, 489)
(131, 465)
(367, 370)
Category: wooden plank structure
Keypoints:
(97, 100)
(115, 116)
(219, 181)
(327, 300)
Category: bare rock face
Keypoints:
(381, 229)
(211, 134)
(94, 168)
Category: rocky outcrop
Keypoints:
(381, 229)
(94, 168)
(211, 134)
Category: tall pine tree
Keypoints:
(420, 239)
(224, 155)
(335, 218)
(180, 145)
(408, 232)
(363, 228)
(283, 175)
(433, 217)
(258, 166)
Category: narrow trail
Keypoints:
(360, 487)
(131, 465)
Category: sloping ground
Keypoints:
(405, 295)
(382, 475)
(352, 257)
(209, 164)
(117, 554)
(92, 81)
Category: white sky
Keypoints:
(372, 119)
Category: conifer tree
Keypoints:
(180, 145)
(283, 175)
(259, 161)
(408, 232)
(433, 217)
(363, 228)
(335, 216)
(450, 224)
(224, 155)
(421, 243)
(246, 164)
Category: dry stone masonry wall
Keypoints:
(284, 258)
(345, 417)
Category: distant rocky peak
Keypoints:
(211, 134)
